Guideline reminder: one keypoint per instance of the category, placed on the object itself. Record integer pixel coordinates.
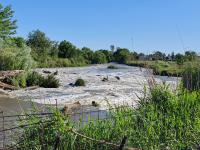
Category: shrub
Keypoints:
(105, 79)
(79, 82)
(33, 79)
(99, 58)
(17, 81)
(191, 78)
(112, 67)
(13, 58)
(50, 82)
(122, 55)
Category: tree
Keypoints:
(108, 54)
(99, 58)
(12, 58)
(122, 55)
(39, 42)
(67, 50)
(190, 55)
(54, 49)
(134, 55)
(7, 24)
(19, 41)
(159, 55)
(87, 53)
(179, 59)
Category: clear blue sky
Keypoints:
(142, 25)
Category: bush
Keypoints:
(112, 67)
(17, 81)
(122, 55)
(191, 78)
(14, 58)
(33, 79)
(79, 82)
(50, 82)
(99, 58)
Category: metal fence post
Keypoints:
(3, 126)
(56, 104)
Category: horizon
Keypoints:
(140, 26)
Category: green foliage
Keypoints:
(158, 56)
(39, 42)
(163, 68)
(191, 77)
(122, 55)
(17, 81)
(13, 58)
(28, 79)
(7, 24)
(79, 82)
(88, 54)
(108, 54)
(99, 58)
(163, 120)
(190, 55)
(67, 50)
(179, 58)
(19, 42)
(50, 82)
(33, 79)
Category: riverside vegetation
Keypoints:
(28, 79)
(162, 120)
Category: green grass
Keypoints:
(52, 62)
(163, 68)
(162, 120)
(191, 77)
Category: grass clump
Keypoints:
(112, 67)
(33, 79)
(80, 82)
(191, 78)
(163, 68)
(50, 82)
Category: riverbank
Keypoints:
(162, 68)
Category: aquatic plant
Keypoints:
(112, 67)
(80, 82)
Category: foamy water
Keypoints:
(126, 90)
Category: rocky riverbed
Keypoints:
(124, 86)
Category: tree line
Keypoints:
(40, 51)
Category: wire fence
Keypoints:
(11, 129)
